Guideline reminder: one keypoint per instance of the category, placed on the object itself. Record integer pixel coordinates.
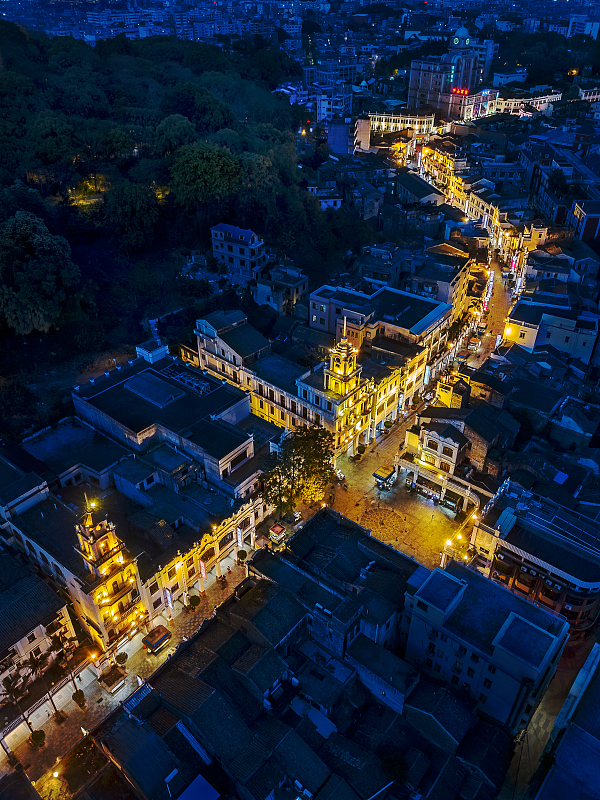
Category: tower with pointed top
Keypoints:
(114, 609)
(342, 376)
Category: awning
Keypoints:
(384, 473)
(421, 481)
(453, 496)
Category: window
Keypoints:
(421, 605)
(440, 653)
(567, 339)
(174, 588)
(471, 672)
(321, 321)
(428, 663)
(154, 588)
(443, 637)
(483, 698)
(437, 668)
(171, 572)
(548, 335)
(36, 652)
(314, 317)
(322, 308)
(455, 680)
(447, 451)
(491, 668)
(444, 466)
(432, 445)
(31, 638)
(522, 335)
(474, 658)
(487, 683)
(157, 603)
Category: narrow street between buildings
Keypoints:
(61, 738)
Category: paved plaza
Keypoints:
(407, 521)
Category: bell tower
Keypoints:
(342, 375)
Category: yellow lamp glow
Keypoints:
(55, 774)
(508, 331)
(448, 542)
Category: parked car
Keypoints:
(340, 474)
(297, 516)
(429, 396)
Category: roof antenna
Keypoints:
(344, 335)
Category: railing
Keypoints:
(104, 557)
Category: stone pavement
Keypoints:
(409, 522)
(60, 739)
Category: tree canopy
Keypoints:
(302, 469)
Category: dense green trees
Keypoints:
(114, 163)
(37, 276)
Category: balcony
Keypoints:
(104, 557)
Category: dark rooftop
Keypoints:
(26, 601)
(74, 442)
(165, 393)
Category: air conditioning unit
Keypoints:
(569, 608)
(523, 569)
(495, 574)
(557, 586)
(532, 572)
(548, 581)
(500, 556)
(298, 785)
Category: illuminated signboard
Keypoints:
(202, 570)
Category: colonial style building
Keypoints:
(350, 396)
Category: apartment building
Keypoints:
(541, 551)
(351, 397)
(241, 251)
(481, 638)
(442, 82)
(443, 278)
(549, 319)
(380, 265)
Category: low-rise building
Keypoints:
(549, 319)
(281, 288)
(410, 188)
(392, 313)
(240, 250)
(351, 397)
(541, 551)
(498, 648)
(31, 615)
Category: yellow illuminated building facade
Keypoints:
(114, 607)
